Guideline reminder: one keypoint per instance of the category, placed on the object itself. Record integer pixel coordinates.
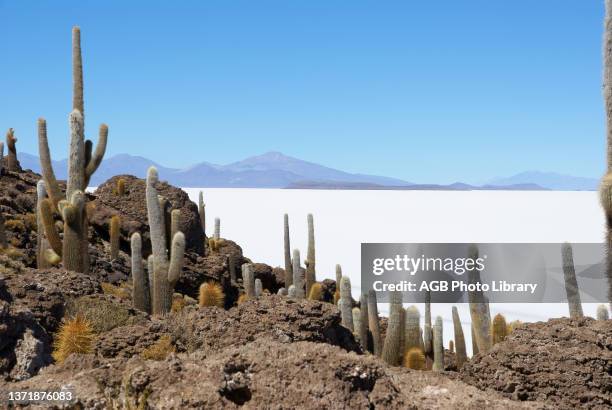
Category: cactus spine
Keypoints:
(166, 272)
(217, 234)
(460, 355)
(479, 308)
(374, 323)
(311, 276)
(438, 346)
(413, 328)
(258, 288)
(392, 353)
(83, 162)
(500, 329)
(141, 294)
(248, 280)
(606, 183)
(298, 279)
(346, 303)
(602, 312)
(287, 250)
(115, 224)
(12, 164)
(41, 242)
(363, 322)
(571, 285)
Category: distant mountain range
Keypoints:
(276, 170)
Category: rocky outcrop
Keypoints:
(567, 362)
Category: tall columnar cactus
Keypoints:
(602, 312)
(356, 312)
(413, 328)
(231, 265)
(41, 241)
(474, 343)
(217, 234)
(438, 345)
(287, 251)
(141, 293)
(479, 308)
(363, 328)
(311, 276)
(402, 333)
(571, 285)
(83, 162)
(202, 215)
(346, 303)
(166, 272)
(115, 227)
(460, 355)
(500, 329)
(248, 280)
(606, 183)
(338, 279)
(298, 278)
(427, 329)
(258, 288)
(374, 323)
(451, 346)
(150, 272)
(12, 164)
(392, 353)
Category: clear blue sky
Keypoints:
(428, 91)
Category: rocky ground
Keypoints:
(273, 352)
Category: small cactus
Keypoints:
(120, 188)
(461, 355)
(211, 294)
(438, 345)
(287, 252)
(311, 276)
(499, 329)
(602, 312)
(392, 353)
(75, 336)
(316, 291)
(451, 346)
(115, 224)
(298, 278)
(346, 303)
(248, 280)
(213, 245)
(141, 292)
(258, 288)
(571, 285)
(374, 323)
(217, 234)
(414, 359)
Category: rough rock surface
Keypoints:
(563, 361)
(133, 210)
(262, 374)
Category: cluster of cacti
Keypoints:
(605, 190)
(438, 345)
(75, 336)
(346, 303)
(414, 359)
(83, 162)
(211, 294)
(499, 329)
(316, 291)
(115, 232)
(311, 276)
(571, 284)
(392, 350)
(479, 308)
(141, 283)
(298, 277)
(166, 263)
(248, 280)
(12, 164)
(602, 312)
(460, 355)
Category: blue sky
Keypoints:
(428, 91)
